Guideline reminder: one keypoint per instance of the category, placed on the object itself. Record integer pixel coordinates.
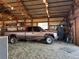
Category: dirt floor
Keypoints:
(35, 50)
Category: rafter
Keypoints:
(25, 9)
(39, 4)
(50, 7)
(60, 1)
(53, 16)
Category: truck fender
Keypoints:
(11, 35)
(46, 35)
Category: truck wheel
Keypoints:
(13, 40)
(49, 40)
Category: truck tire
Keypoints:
(13, 40)
(49, 40)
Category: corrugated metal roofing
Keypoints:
(37, 8)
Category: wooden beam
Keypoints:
(34, 11)
(50, 7)
(38, 13)
(60, 10)
(59, 13)
(60, 5)
(37, 10)
(46, 21)
(57, 16)
(39, 4)
(75, 21)
(60, 1)
(53, 16)
(42, 3)
(49, 3)
(27, 12)
(51, 13)
(20, 1)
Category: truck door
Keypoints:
(29, 33)
(20, 34)
(37, 33)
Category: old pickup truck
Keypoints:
(32, 33)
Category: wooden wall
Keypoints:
(75, 20)
(52, 21)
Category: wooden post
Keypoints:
(32, 24)
(2, 29)
(73, 10)
(48, 23)
(75, 33)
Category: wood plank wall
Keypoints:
(75, 20)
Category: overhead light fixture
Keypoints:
(44, 1)
(12, 8)
(46, 5)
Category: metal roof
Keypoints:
(37, 8)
